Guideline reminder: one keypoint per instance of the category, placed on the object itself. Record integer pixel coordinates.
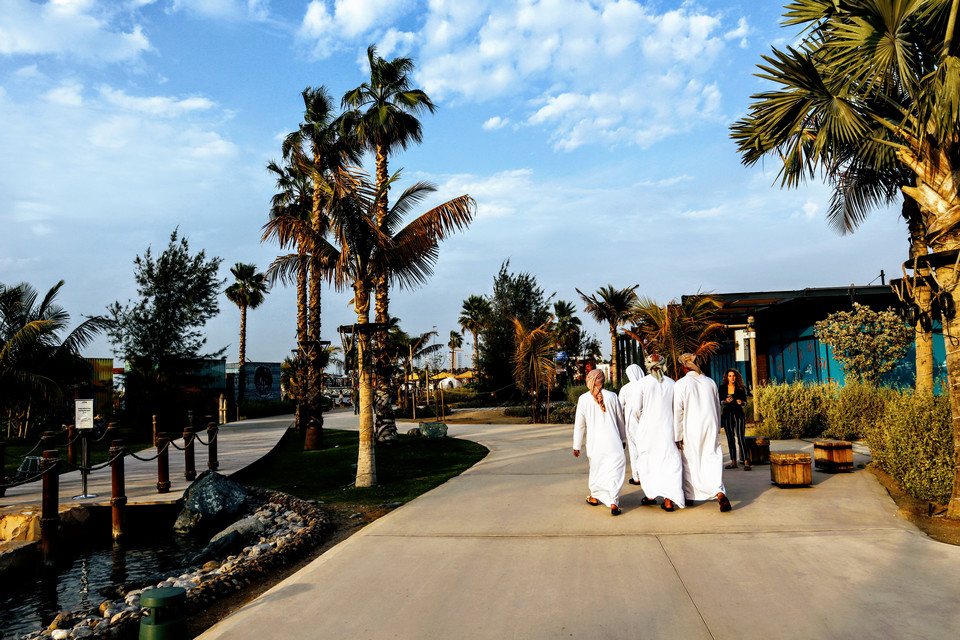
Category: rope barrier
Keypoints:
(77, 437)
(197, 437)
(31, 478)
(97, 467)
(154, 457)
(175, 445)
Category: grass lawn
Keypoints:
(404, 471)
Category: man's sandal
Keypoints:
(724, 504)
(648, 502)
(593, 502)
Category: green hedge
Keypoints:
(563, 414)
(793, 410)
(854, 408)
(913, 442)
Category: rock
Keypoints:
(415, 432)
(106, 604)
(81, 632)
(60, 634)
(210, 566)
(433, 429)
(64, 620)
(249, 527)
(211, 502)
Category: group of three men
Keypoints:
(673, 432)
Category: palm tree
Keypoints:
(247, 292)
(318, 147)
(37, 365)
(612, 306)
(382, 115)
(456, 341)
(533, 364)
(888, 73)
(567, 329)
(413, 348)
(359, 254)
(473, 318)
(677, 328)
(292, 202)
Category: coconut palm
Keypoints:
(382, 115)
(473, 318)
(885, 72)
(533, 364)
(37, 362)
(247, 292)
(292, 202)
(359, 254)
(677, 328)
(613, 307)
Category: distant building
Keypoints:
(787, 350)
(262, 380)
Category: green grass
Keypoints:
(404, 471)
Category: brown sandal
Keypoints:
(593, 502)
(724, 503)
(647, 502)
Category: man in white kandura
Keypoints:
(629, 400)
(600, 420)
(696, 418)
(659, 462)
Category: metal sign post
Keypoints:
(84, 423)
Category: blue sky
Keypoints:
(593, 135)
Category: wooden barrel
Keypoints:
(758, 450)
(790, 469)
(833, 455)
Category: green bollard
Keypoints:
(166, 619)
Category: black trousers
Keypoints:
(735, 425)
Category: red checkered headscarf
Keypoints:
(596, 389)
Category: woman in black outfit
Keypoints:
(733, 397)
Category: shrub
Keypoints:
(855, 408)
(519, 411)
(792, 410)
(914, 444)
(563, 414)
(574, 393)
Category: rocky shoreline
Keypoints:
(285, 528)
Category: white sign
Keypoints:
(740, 339)
(84, 414)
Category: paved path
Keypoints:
(509, 549)
(238, 445)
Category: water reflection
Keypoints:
(31, 602)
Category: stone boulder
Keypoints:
(210, 503)
(415, 432)
(433, 429)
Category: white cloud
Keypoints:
(325, 29)
(256, 10)
(68, 94)
(155, 105)
(810, 210)
(79, 28)
(494, 123)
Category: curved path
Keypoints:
(509, 549)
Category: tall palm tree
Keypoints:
(359, 254)
(455, 342)
(533, 364)
(382, 115)
(247, 292)
(887, 72)
(567, 329)
(414, 348)
(612, 306)
(677, 328)
(318, 147)
(292, 202)
(38, 362)
(473, 318)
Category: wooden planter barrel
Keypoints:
(758, 450)
(833, 455)
(790, 469)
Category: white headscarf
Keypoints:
(634, 373)
(655, 364)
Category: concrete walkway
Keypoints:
(509, 549)
(238, 445)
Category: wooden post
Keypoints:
(154, 430)
(49, 441)
(113, 431)
(189, 467)
(163, 464)
(753, 366)
(118, 494)
(212, 463)
(71, 444)
(50, 507)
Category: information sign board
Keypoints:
(84, 414)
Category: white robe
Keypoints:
(660, 464)
(604, 434)
(696, 417)
(630, 401)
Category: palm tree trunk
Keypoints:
(614, 374)
(386, 422)
(366, 456)
(242, 369)
(302, 413)
(948, 275)
(923, 340)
